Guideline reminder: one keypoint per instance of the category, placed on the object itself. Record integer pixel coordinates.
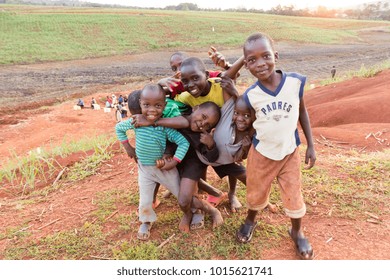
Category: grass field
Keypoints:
(30, 34)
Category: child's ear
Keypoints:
(207, 74)
(195, 108)
(276, 54)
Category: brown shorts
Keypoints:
(261, 172)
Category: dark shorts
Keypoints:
(232, 169)
(191, 167)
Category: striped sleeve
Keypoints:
(181, 142)
(121, 128)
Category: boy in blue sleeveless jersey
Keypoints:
(277, 101)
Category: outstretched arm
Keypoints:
(310, 157)
(235, 68)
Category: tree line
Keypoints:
(370, 11)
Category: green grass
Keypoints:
(344, 186)
(363, 72)
(33, 34)
(24, 172)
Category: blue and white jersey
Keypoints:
(277, 115)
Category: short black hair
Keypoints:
(155, 88)
(194, 61)
(211, 105)
(259, 36)
(133, 102)
(179, 54)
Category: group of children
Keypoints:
(189, 121)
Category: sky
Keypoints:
(248, 4)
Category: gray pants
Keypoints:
(148, 176)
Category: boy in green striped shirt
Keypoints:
(149, 149)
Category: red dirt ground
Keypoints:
(344, 115)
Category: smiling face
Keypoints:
(260, 58)
(194, 77)
(152, 102)
(242, 115)
(204, 118)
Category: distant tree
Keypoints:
(187, 7)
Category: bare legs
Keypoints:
(188, 199)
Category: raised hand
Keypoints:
(170, 82)
(218, 58)
(228, 86)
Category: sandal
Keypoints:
(245, 233)
(303, 248)
(144, 231)
(197, 221)
(216, 200)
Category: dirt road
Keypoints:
(59, 80)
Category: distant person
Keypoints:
(80, 103)
(108, 102)
(114, 100)
(277, 99)
(93, 102)
(120, 99)
(333, 72)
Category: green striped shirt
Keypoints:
(150, 142)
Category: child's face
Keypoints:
(203, 119)
(260, 59)
(152, 104)
(175, 63)
(242, 116)
(194, 80)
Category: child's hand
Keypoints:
(310, 157)
(165, 164)
(167, 157)
(246, 144)
(218, 58)
(130, 151)
(228, 86)
(140, 120)
(207, 138)
(170, 82)
(160, 163)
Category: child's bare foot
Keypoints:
(235, 204)
(185, 222)
(272, 207)
(217, 217)
(166, 194)
(156, 203)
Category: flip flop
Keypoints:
(245, 233)
(216, 200)
(303, 248)
(144, 231)
(197, 221)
